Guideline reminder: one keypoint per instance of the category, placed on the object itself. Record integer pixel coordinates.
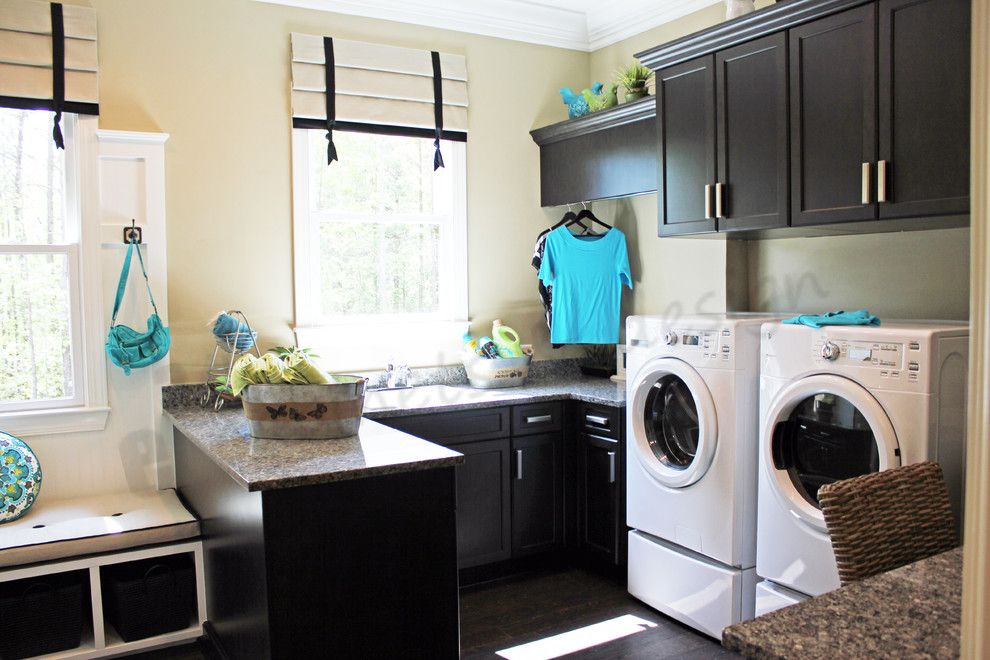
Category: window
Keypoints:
(42, 361)
(380, 236)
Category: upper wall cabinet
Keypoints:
(923, 80)
(833, 116)
(722, 128)
(606, 154)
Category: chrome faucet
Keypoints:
(397, 375)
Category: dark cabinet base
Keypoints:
(360, 568)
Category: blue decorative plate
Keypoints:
(20, 477)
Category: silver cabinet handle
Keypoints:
(866, 183)
(519, 463)
(539, 419)
(708, 201)
(611, 467)
(882, 181)
(596, 419)
(719, 191)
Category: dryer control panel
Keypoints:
(888, 358)
(709, 345)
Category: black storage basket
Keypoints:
(43, 615)
(150, 597)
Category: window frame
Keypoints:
(88, 408)
(365, 334)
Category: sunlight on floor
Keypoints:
(581, 638)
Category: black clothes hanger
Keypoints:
(587, 214)
(570, 218)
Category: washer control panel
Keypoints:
(712, 344)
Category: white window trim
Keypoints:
(89, 410)
(370, 340)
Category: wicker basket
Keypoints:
(42, 615)
(305, 412)
(151, 597)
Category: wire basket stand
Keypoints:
(234, 345)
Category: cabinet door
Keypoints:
(924, 107)
(599, 467)
(686, 130)
(537, 493)
(833, 118)
(483, 513)
(753, 176)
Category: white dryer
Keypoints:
(692, 404)
(839, 402)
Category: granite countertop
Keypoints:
(913, 611)
(260, 464)
(600, 391)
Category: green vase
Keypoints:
(636, 94)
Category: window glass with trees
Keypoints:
(383, 231)
(39, 239)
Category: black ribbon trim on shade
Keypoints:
(437, 109)
(77, 107)
(379, 129)
(58, 71)
(331, 96)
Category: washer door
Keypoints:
(673, 422)
(822, 429)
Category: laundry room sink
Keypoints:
(432, 396)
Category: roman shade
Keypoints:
(378, 89)
(48, 58)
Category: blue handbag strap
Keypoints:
(122, 284)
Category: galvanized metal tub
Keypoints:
(498, 372)
(305, 412)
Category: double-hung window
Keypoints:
(43, 364)
(380, 245)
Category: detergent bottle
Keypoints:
(506, 340)
(488, 348)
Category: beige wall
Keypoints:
(906, 275)
(215, 76)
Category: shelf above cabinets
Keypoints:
(612, 153)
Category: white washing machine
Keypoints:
(839, 402)
(692, 405)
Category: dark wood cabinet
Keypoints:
(483, 503)
(601, 525)
(723, 122)
(537, 493)
(605, 154)
(752, 190)
(833, 118)
(924, 65)
(686, 134)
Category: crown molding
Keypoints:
(583, 26)
(517, 20)
(609, 23)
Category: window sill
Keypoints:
(368, 346)
(54, 420)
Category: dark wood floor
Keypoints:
(507, 613)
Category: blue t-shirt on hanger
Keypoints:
(587, 274)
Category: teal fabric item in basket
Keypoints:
(129, 348)
(859, 317)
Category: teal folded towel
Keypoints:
(859, 317)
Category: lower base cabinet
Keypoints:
(536, 478)
(483, 511)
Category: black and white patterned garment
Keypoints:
(546, 292)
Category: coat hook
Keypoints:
(132, 234)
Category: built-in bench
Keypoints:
(90, 534)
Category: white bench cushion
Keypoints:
(85, 526)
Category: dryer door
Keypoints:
(821, 429)
(673, 422)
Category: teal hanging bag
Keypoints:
(128, 348)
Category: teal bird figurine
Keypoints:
(577, 106)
